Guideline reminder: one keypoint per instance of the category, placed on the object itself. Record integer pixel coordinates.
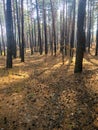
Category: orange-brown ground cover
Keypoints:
(43, 94)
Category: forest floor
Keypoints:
(43, 94)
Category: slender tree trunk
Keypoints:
(18, 27)
(66, 29)
(22, 26)
(2, 35)
(35, 46)
(45, 27)
(96, 53)
(50, 33)
(61, 24)
(53, 26)
(89, 27)
(92, 23)
(63, 33)
(5, 25)
(14, 29)
(31, 38)
(51, 40)
(42, 32)
(73, 30)
(9, 34)
(0, 49)
(39, 30)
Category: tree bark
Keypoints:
(53, 26)
(18, 27)
(96, 53)
(39, 30)
(2, 35)
(80, 36)
(22, 26)
(73, 30)
(45, 27)
(9, 34)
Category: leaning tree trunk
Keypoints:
(9, 34)
(80, 36)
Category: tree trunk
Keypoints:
(53, 26)
(2, 35)
(0, 49)
(63, 33)
(22, 26)
(73, 30)
(89, 27)
(80, 36)
(66, 29)
(96, 53)
(9, 34)
(18, 27)
(45, 27)
(31, 38)
(5, 25)
(35, 46)
(39, 30)
(14, 29)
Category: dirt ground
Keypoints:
(43, 94)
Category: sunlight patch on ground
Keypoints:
(12, 78)
(18, 76)
(57, 66)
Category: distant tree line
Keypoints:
(48, 26)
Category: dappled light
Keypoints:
(37, 91)
(48, 64)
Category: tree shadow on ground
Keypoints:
(89, 60)
(60, 101)
(70, 105)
